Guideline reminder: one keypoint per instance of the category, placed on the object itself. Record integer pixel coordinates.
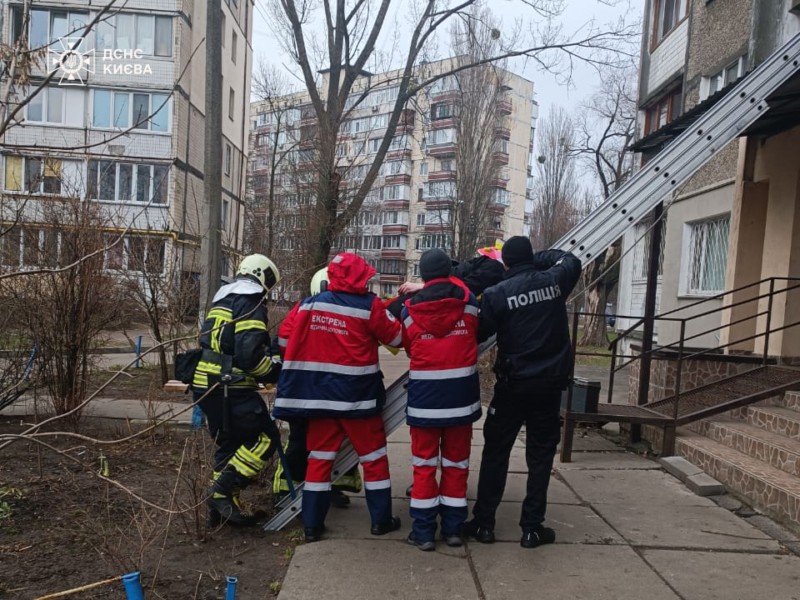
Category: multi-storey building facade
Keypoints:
(127, 133)
(410, 206)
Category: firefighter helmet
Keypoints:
(319, 282)
(261, 268)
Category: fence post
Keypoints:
(678, 374)
(136, 365)
(612, 371)
(769, 319)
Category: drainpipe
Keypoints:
(230, 592)
(133, 587)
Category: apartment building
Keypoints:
(127, 131)
(409, 208)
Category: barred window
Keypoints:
(708, 255)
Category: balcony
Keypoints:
(499, 182)
(400, 154)
(436, 227)
(505, 107)
(446, 123)
(395, 229)
(500, 157)
(434, 203)
(407, 120)
(442, 176)
(391, 278)
(395, 204)
(399, 178)
(393, 252)
(502, 132)
(443, 149)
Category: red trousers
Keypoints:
(447, 497)
(324, 438)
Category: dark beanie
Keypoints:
(434, 264)
(517, 250)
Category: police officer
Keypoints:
(236, 357)
(527, 311)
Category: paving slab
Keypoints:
(704, 485)
(573, 524)
(370, 569)
(606, 460)
(557, 492)
(725, 576)
(630, 488)
(710, 528)
(565, 572)
(590, 441)
(679, 467)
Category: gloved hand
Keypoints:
(274, 372)
(274, 347)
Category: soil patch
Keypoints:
(63, 527)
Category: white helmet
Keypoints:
(260, 267)
(319, 282)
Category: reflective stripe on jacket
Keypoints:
(440, 325)
(235, 327)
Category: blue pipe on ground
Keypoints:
(133, 587)
(230, 593)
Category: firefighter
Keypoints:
(440, 326)
(527, 311)
(235, 343)
(332, 377)
(295, 451)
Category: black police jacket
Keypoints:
(528, 312)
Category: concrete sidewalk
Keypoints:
(625, 528)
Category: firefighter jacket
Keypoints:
(440, 327)
(234, 338)
(330, 343)
(527, 311)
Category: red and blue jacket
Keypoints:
(440, 327)
(330, 341)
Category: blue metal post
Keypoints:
(230, 592)
(133, 586)
(138, 351)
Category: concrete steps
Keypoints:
(755, 452)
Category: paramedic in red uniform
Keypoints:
(440, 326)
(331, 376)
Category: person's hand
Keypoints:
(410, 288)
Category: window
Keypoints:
(398, 143)
(389, 289)
(125, 182)
(726, 76)
(48, 26)
(395, 192)
(707, 256)
(42, 175)
(392, 267)
(420, 219)
(228, 158)
(231, 102)
(395, 167)
(122, 110)
(423, 168)
(501, 145)
(224, 217)
(668, 14)
(502, 196)
(234, 43)
(152, 35)
(664, 110)
(433, 240)
(439, 189)
(446, 165)
(57, 105)
(374, 144)
(223, 29)
(441, 136)
(144, 254)
(394, 241)
(379, 121)
(441, 111)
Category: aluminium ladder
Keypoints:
(670, 168)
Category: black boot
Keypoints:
(223, 505)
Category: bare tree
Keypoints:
(605, 130)
(273, 145)
(558, 201)
(478, 120)
(348, 48)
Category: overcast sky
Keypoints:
(549, 89)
